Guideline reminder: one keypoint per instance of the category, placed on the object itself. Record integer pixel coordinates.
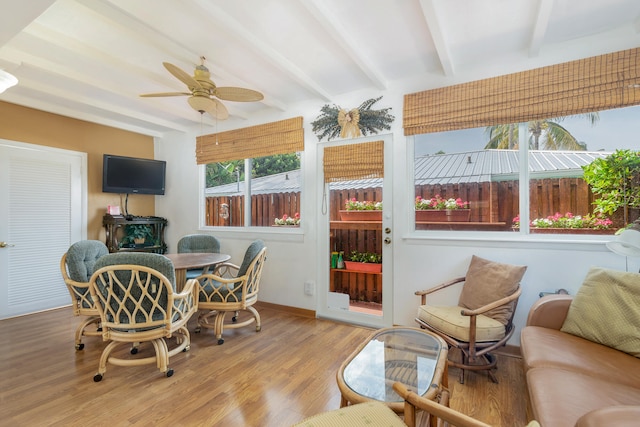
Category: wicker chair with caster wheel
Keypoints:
(77, 265)
(137, 302)
(200, 243)
(231, 289)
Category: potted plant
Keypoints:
(616, 180)
(439, 209)
(569, 224)
(366, 262)
(137, 234)
(286, 220)
(355, 210)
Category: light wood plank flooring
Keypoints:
(272, 378)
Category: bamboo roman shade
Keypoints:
(354, 161)
(598, 83)
(285, 136)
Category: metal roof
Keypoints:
(454, 168)
(500, 165)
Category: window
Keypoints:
(252, 191)
(479, 168)
(272, 184)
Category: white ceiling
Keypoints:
(90, 59)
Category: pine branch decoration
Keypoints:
(330, 122)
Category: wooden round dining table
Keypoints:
(185, 261)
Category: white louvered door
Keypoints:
(41, 213)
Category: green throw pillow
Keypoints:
(606, 310)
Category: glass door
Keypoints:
(356, 254)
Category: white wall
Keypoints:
(420, 261)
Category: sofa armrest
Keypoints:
(549, 311)
(620, 416)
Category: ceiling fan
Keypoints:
(203, 94)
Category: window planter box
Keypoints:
(550, 230)
(443, 215)
(363, 267)
(361, 215)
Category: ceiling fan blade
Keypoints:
(149, 95)
(182, 76)
(218, 111)
(238, 94)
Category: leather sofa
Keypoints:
(573, 381)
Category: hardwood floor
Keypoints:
(273, 378)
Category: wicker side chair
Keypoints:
(230, 289)
(198, 243)
(77, 265)
(483, 319)
(135, 296)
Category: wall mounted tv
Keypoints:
(132, 175)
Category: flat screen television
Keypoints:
(130, 175)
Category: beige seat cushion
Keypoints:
(362, 414)
(449, 321)
(488, 281)
(606, 310)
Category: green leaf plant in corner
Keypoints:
(615, 179)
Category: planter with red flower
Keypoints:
(439, 209)
(364, 262)
(361, 211)
(288, 221)
(568, 224)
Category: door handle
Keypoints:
(387, 240)
(5, 244)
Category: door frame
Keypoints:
(322, 308)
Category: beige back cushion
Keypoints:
(606, 310)
(488, 281)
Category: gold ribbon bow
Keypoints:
(348, 121)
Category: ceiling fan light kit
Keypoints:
(203, 94)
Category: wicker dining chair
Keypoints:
(135, 296)
(198, 243)
(231, 289)
(77, 265)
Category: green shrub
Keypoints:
(616, 180)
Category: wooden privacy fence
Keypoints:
(498, 202)
(265, 208)
(491, 202)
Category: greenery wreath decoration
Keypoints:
(334, 121)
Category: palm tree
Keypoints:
(548, 134)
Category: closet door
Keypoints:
(41, 213)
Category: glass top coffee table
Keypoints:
(411, 356)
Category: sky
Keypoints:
(618, 128)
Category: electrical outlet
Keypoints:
(309, 288)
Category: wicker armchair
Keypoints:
(77, 265)
(230, 289)
(135, 296)
(483, 319)
(198, 243)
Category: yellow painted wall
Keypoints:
(31, 126)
